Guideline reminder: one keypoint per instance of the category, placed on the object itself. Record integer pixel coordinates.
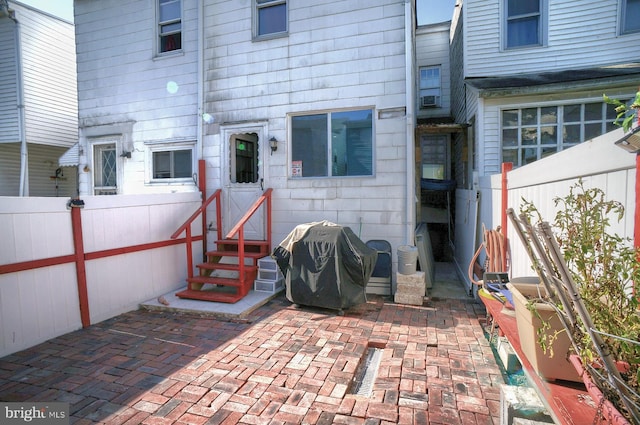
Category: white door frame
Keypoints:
(237, 195)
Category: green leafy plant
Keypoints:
(604, 266)
(626, 113)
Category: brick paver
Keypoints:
(282, 365)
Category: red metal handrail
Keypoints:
(187, 227)
(239, 228)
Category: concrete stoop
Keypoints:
(522, 406)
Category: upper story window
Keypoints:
(270, 17)
(169, 25)
(524, 23)
(333, 144)
(630, 16)
(430, 86)
(529, 134)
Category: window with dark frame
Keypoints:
(523, 23)
(334, 144)
(169, 25)
(173, 164)
(271, 17)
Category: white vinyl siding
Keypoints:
(49, 79)
(432, 49)
(569, 45)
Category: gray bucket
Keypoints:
(407, 259)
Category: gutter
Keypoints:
(410, 118)
(24, 156)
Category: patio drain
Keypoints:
(367, 372)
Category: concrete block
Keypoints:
(508, 356)
(521, 402)
(416, 278)
(410, 299)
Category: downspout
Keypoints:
(202, 183)
(24, 163)
(410, 118)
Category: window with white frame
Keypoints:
(430, 86)
(529, 134)
(174, 163)
(630, 16)
(105, 171)
(169, 25)
(524, 23)
(333, 144)
(270, 17)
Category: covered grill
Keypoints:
(326, 265)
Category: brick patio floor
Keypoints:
(282, 365)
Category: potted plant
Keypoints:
(595, 296)
(626, 116)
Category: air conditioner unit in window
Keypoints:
(429, 101)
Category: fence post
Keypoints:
(78, 247)
(506, 167)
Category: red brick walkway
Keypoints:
(282, 366)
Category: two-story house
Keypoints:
(528, 80)
(313, 100)
(38, 106)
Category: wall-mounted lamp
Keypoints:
(630, 141)
(273, 144)
(125, 154)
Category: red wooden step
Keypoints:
(226, 266)
(221, 297)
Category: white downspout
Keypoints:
(410, 118)
(24, 156)
(200, 77)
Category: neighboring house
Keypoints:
(528, 79)
(38, 106)
(313, 100)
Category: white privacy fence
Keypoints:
(128, 258)
(599, 162)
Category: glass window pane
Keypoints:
(169, 10)
(572, 113)
(548, 151)
(510, 137)
(522, 7)
(351, 143)
(529, 136)
(309, 144)
(549, 115)
(182, 163)
(571, 134)
(548, 135)
(631, 15)
(510, 155)
(529, 155)
(592, 130)
(593, 111)
(530, 116)
(272, 19)
(510, 118)
(523, 32)
(109, 167)
(161, 165)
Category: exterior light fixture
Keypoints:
(630, 141)
(273, 144)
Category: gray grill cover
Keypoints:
(326, 265)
